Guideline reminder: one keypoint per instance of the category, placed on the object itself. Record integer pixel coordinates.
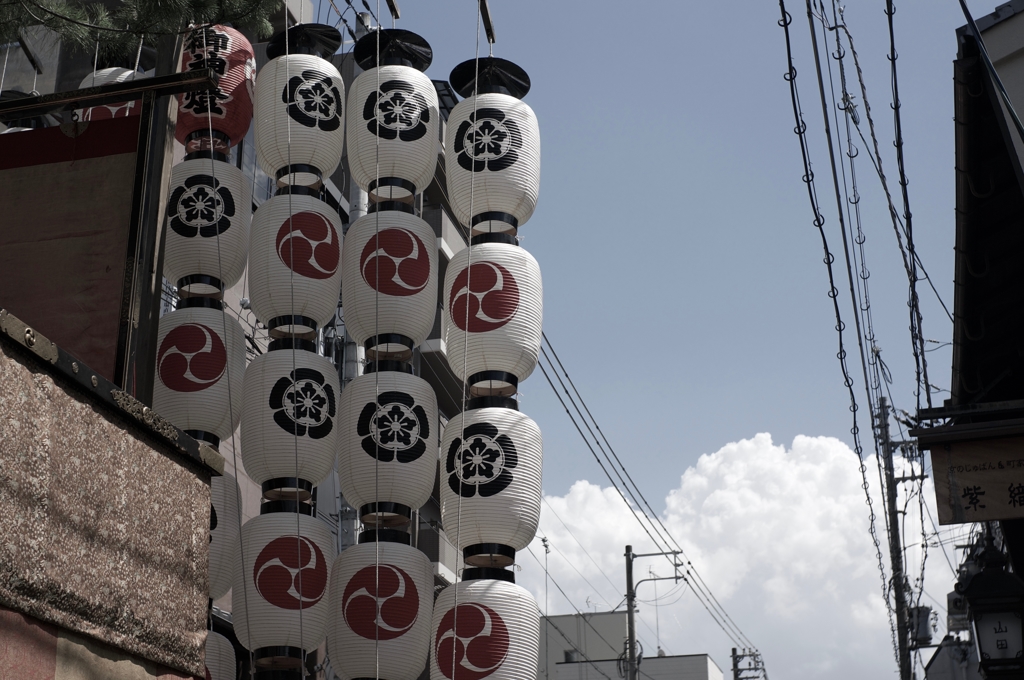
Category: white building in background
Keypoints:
(587, 647)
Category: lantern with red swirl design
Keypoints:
(217, 119)
(492, 632)
(493, 297)
(393, 116)
(389, 280)
(492, 147)
(299, 107)
(295, 262)
(380, 614)
(279, 594)
(199, 365)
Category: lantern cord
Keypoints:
(3, 75)
(138, 57)
(95, 61)
(376, 335)
(292, 175)
(227, 369)
(833, 293)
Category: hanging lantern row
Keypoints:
(290, 418)
(491, 454)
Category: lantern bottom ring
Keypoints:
(200, 285)
(488, 573)
(203, 140)
(384, 206)
(493, 237)
(292, 326)
(292, 343)
(494, 221)
(393, 188)
(287, 489)
(301, 174)
(493, 384)
(389, 346)
(386, 366)
(489, 555)
(278, 658)
(492, 402)
(385, 514)
(292, 506)
(385, 536)
(203, 436)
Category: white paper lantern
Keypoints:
(387, 447)
(200, 361)
(491, 460)
(492, 147)
(493, 633)
(223, 533)
(393, 116)
(282, 575)
(299, 119)
(389, 277)
(220, 657)
(106, 76)
(295, 260)
(499, 300)
(290, 415)
(380, 618)
(208, 216)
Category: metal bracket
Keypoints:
(39, 344)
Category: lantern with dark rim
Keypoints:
(393, 116)
(299, 107)
(492, 147)
(996, 600)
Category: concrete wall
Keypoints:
(599, 635)
(684, 667)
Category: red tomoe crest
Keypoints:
(472, 642)
(308, 244)
(395, 262)
(291, 573)
(191, 358)
(381, 606)
(486, 294)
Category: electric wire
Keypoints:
(800, 130)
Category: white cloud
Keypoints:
(779, 535)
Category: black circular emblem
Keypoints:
(314, 100)
(489, 140)
(200, 207)
(481, 461)
(396, 110)
(394, 427)
(303, 404)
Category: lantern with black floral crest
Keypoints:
(220, 656)
(491, 461)
(289, 430)
(393, 116)
(484, 627)
(492, 147)
(387, 453)
(381, 601)
(299, 107)
(279, 593)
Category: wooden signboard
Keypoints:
(980, 480)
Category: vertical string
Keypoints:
(7, 56)
(465, 343)
(376, 373)
(95, 60)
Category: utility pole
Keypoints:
(899, 580)
(630, 622)
(752, 668)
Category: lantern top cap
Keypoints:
(398, 47)
(490, 75)
(320, 40)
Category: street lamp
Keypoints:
(996, 600)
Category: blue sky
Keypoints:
(684, 283)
